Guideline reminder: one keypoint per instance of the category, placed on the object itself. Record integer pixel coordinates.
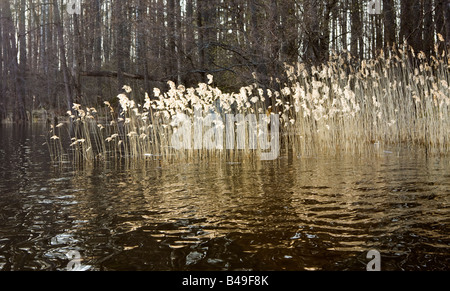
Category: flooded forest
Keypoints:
(213, 135)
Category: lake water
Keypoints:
(307, 213)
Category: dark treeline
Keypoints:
(51, 58)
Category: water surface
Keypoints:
(308, 213)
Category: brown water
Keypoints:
(308, 213)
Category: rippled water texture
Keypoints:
(308, 213)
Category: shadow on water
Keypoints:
(309, 213)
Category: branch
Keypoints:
(112, 74)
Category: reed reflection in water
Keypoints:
(307, 213)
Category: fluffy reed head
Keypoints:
(340, 106)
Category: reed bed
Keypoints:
(343, 105)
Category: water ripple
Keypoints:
(313, 213)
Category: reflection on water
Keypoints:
(308, 213)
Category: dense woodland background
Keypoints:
(51, 58)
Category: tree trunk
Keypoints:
(202, 19)
(13, 65)
(289, 43)
(329, 6)
(312, 33)
(428, 27)
(63, 60)
(22, 86)
(416, 29)
(171, 36)
(190, 40)
(356, 29)
(406, 25)
(344, 21)
(447, 23)
(178, 40)
(97, 43)
(119, 42)
(78, 58)
(142, 44)
(3, 74)
(257, 42)
(439, 21)
(389, 23)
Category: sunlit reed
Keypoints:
(343, 105)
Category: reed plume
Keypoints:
(343, 105)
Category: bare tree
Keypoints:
(17, 71)
(63, 60)
(47, 52)
(447, 22)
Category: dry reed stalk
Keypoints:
(332, 108)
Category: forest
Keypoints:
(224, 135)
(53, 55)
